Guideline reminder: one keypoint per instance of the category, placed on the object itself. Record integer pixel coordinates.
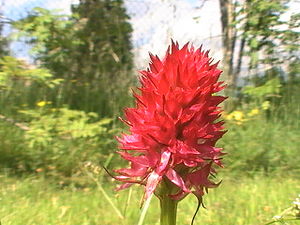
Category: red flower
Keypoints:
(173, 128)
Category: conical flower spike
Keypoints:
(175, 125)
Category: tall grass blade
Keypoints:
(144, 210)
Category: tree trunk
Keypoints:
(227, 8)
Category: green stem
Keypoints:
(168, 211)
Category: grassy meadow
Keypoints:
(33, 200)
(253, 189)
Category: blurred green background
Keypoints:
(58, 117)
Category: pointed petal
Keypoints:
(152, 182)
(176, 179)
(164, 160)
(124, 186)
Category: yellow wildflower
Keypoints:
(253, 112)
(238, 115)
(265, 105)
(41, 104)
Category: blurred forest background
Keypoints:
(59, 108)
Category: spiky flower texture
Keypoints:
(175, 125)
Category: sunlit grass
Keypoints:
(30, 201)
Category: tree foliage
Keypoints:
(257, 30)
(13, 70)
(57, 116)
(90, 50)
(105, 37)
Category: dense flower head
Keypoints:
(175, 124)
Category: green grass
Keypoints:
(261, 145)
(243, 201)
